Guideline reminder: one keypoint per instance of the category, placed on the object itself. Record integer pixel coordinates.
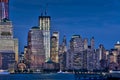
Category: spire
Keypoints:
(4, 9)
(46, 9)
(92, 42)
(41, 14)
(64, 41)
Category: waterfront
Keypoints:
(57, 76)
(50, 76)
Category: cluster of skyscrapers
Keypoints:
(81, 56)
(43, 50)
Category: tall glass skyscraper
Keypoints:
(44, 24)
(4, 9)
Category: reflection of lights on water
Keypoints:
(111, 71)
(1, 70)
(103, 74)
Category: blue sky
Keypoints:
(98, 18)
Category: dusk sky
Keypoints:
(98, 18)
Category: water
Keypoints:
(51, 76)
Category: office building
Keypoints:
(62, 54)
(117, 46)
(8, 44)
(85, 44)
(36, 49)
(26, 55)
(69, 60)
(54, 47)
(115, 54)
(112, 65)
(44, 25)
(77, 47)
(91, 59)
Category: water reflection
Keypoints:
(51, 76)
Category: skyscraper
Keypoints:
(92, 43)
(36, 49)
(44, 24)
(56, 34)
(91, 65)
(117, 46)
(85, 44)
(4, 9)
(77, 47)
(102, 56)
(54, 47)
(8, 44)
(62, 54)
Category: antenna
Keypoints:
(41, 14)
(41, 10)
(46, 9)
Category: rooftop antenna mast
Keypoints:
(41, 10)
(46, 9)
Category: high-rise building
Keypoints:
(102, 52)
(118, 60)
(98, 58)
(92, 43)
(54, 47)
(85, 44)
(44, 24)
(36, 49)
(91, 61)
(26, 56)
(112, 65)
(4, 9)
(8, 44)
(117, 46)
(115, 54)
(81, 55)
(56, 34)
(77, 47)
(102, 56)
(69, 59)
(62, 54)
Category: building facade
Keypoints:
(8, 44)
(62, 54)
(77, 47)
(54, 47)
(81, 56)
(44, 24)
(36, 49)
(91, 59)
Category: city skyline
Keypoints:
(86, 18)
